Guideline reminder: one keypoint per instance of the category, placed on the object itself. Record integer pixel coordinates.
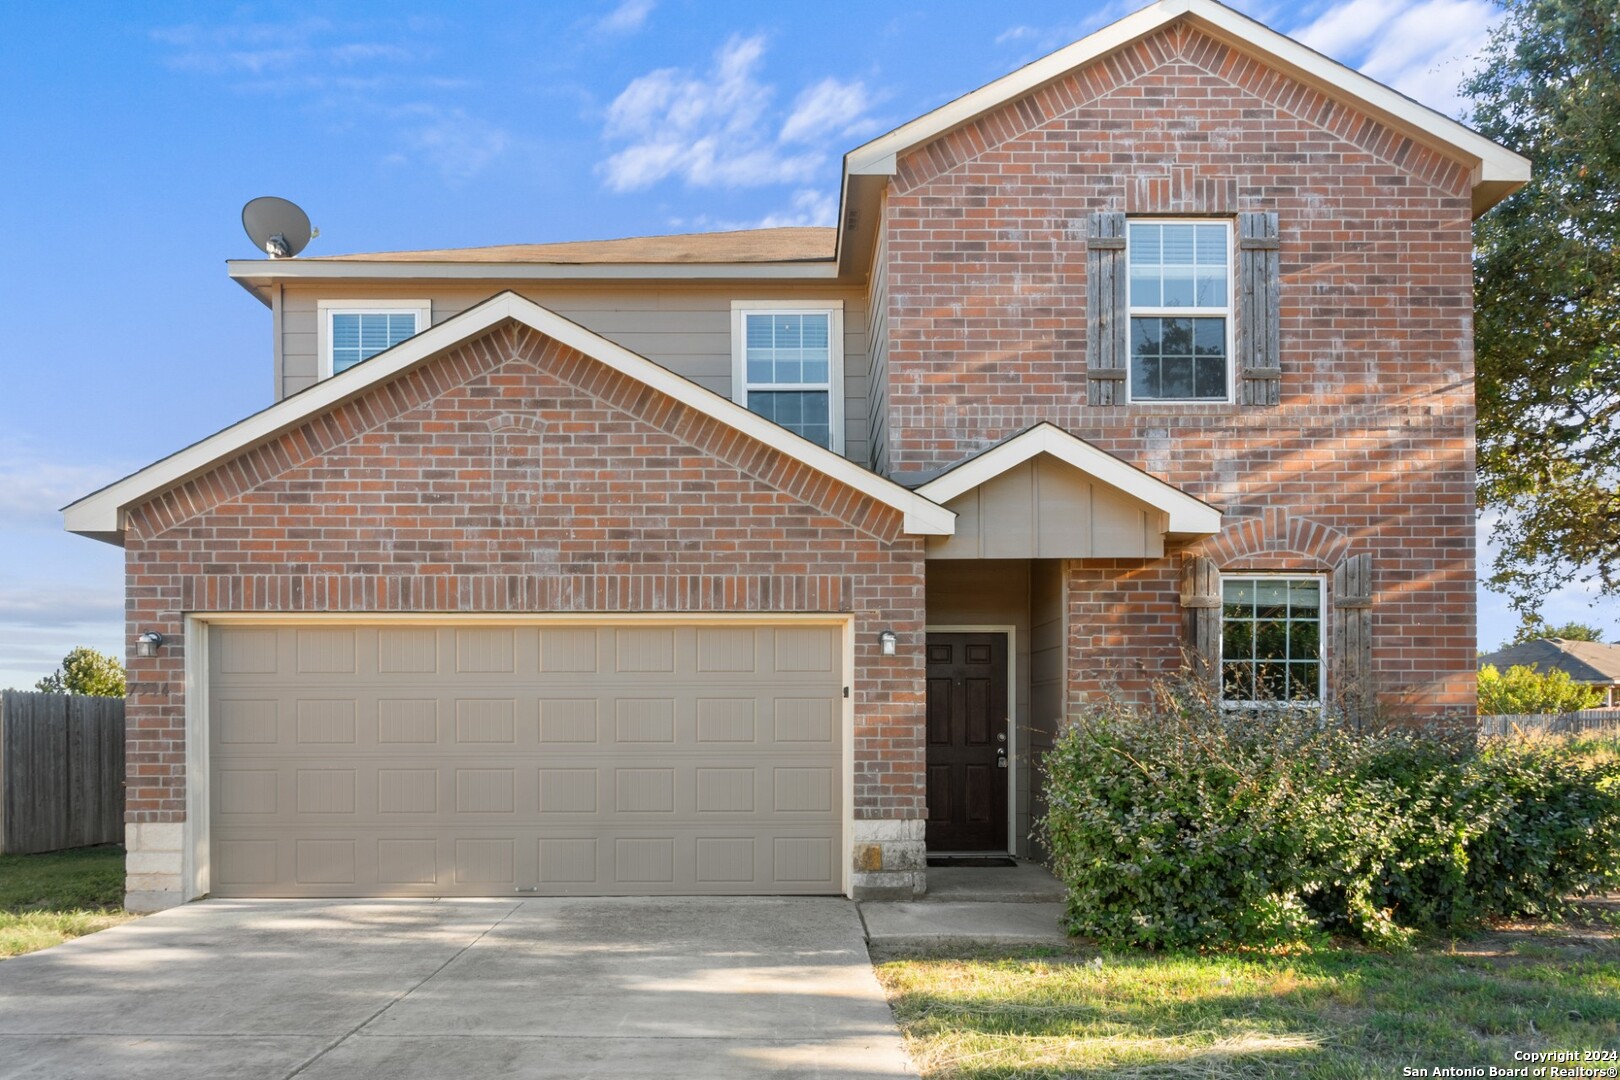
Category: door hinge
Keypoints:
(846, 691)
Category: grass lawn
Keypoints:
(46, 899)
(1337, 1013)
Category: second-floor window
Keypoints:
(1180, 310)
(355, 331)
(787, 361)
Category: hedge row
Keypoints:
(1188, 825)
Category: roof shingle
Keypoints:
(1584, 661)
(790, 244)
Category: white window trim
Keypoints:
(834, 310)
(325, 309)
(1321, 641)
(1229, 312)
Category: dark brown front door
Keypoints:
(967, 742)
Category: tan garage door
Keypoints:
(491, 760)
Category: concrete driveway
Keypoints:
(358, 989)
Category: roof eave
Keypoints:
(1187, 517)
(255, 273)
(101, 514)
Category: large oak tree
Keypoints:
(1547, 291)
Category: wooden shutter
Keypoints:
(1107, 311)
(1201, 600)
(1350, 643)
(1258, 295)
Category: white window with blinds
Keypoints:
(787, 365)
(353, 331)
(1180, 310)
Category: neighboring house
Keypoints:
(770, 561)
(1591, 663)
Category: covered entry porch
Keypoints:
(1034, 513)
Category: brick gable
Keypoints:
(511, 474)
(1372, 442)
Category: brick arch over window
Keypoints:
(1276, 540)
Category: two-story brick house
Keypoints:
(768, 562)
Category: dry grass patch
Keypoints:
(1335, 1014)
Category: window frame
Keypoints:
(1322, 585)
(326, 309)
(1229, 312)
(834, 310)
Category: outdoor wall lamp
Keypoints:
(887, 642)
(147, 644)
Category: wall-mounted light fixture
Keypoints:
(887, 642)
(147, 644)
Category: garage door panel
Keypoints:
(551, 760)
(625, 860)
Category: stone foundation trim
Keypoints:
(888, 859)
(154, 865)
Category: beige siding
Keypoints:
(993, 593)
(878, 335)
(1045, 508)
(687, 330)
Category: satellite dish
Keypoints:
(277, 227)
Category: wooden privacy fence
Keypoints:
(61, 771)
(1587, 720)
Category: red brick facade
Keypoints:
(1371, 448)
(515, 475)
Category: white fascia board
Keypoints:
(264, 270)
(1493, 162)
(101, 513)
(1186, 514)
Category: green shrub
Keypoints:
(1524, 690)
(1187, 825)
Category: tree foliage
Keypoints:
(88, 672)
(1524, 690)
(1547, 294)
(1534, 629)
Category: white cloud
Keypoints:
(1424, 50)
(33, 489)
(458, 145)
(810, 207)
(1016, 33)
(1038, 40)
(259, 48)
(58, 604)
(353, 72)
(712, 129)
(828, 108)
(627, 18)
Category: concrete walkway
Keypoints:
(1011, 905)
(607, 988)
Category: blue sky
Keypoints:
(135, 132)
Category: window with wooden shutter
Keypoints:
(1259, 324)
(1271, 640)
(1107, 310)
